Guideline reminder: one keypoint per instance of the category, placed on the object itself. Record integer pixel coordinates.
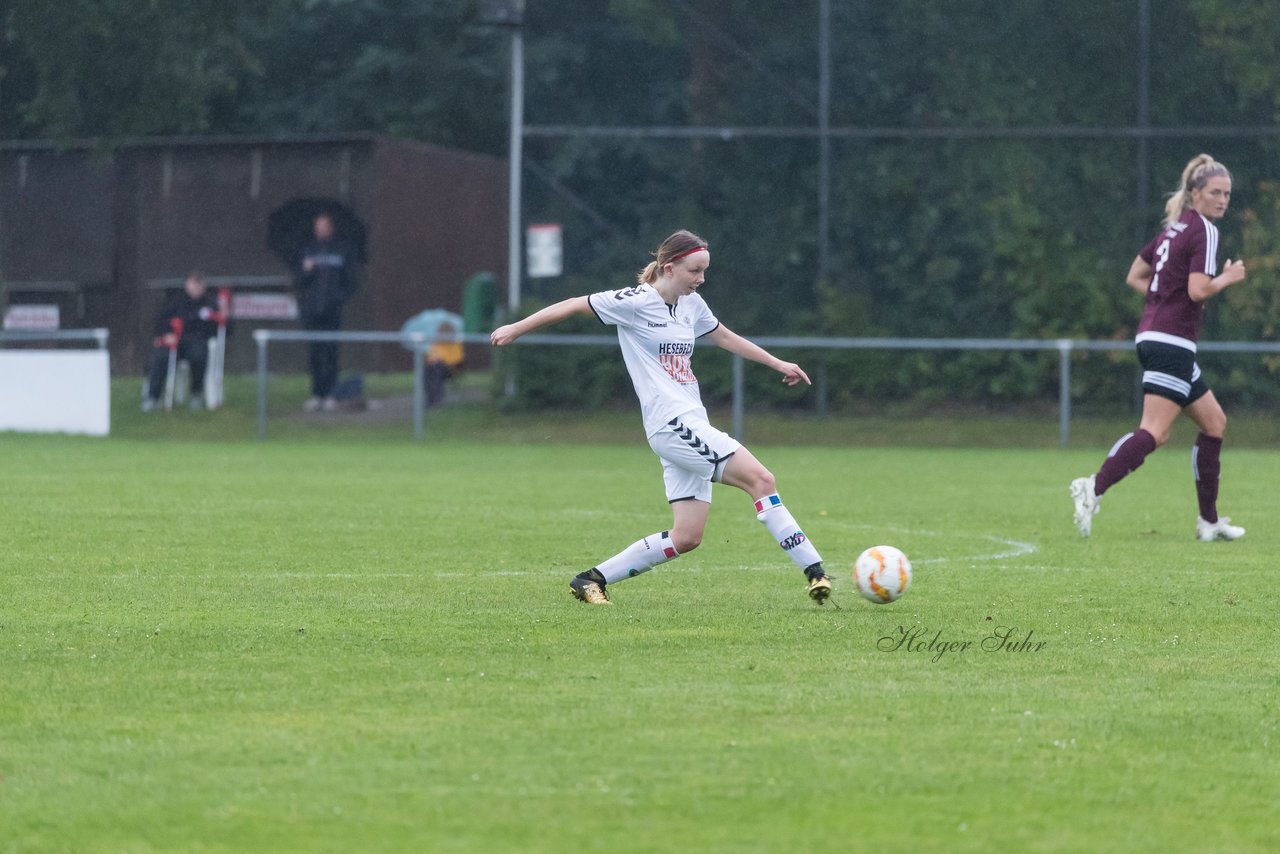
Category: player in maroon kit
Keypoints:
(1177, 271)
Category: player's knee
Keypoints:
(686, 541)
(1159, 433)
(764, 483)
(1218, 426)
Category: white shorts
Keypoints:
(693, 455)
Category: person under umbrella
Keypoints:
(327, 274)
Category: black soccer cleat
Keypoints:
(819, 583)
(819, 589)
(589, 587)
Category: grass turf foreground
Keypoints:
(341, 647)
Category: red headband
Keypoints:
(675, 258)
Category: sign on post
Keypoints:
(264, 306)
(544, 248)
(32, 318)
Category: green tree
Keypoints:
(117, 68)
(932, 235)
(427, 71)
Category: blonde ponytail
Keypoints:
(1196, 174)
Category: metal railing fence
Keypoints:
(1064, 346)
(25, 336)
(418, 343)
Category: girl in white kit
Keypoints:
(659, 321)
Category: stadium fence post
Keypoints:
(1064, 392)
(419, 393)
(820, 383)
(738, 394)
(261, 337)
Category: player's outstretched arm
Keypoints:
(726, 339)
(504, 335)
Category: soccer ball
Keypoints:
(882, 574)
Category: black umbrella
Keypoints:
(292, 226)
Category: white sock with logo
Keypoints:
(640, 556)
(782, 525)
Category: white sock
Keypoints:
(640, 556)
(782, 525)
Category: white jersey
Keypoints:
(657, 345)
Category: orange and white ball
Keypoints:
(882, 574)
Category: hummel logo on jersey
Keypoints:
(686, 435)
(653, 325)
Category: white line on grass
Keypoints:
(1016, 549)
(1013, 548)
(160, 574)
(513, 573)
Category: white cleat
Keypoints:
(1219, 530)
(1086, 504)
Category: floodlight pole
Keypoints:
(510, 14)
(1144, 118)
(824, 139)
(516, 22)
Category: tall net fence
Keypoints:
(931, 173)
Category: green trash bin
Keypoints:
(479, 301)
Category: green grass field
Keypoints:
(319, 643)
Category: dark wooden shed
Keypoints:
(103, 235)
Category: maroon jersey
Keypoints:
(1187, 246)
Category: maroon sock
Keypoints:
(1126, 456)
(1205, 465)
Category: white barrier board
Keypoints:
(55, 391)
